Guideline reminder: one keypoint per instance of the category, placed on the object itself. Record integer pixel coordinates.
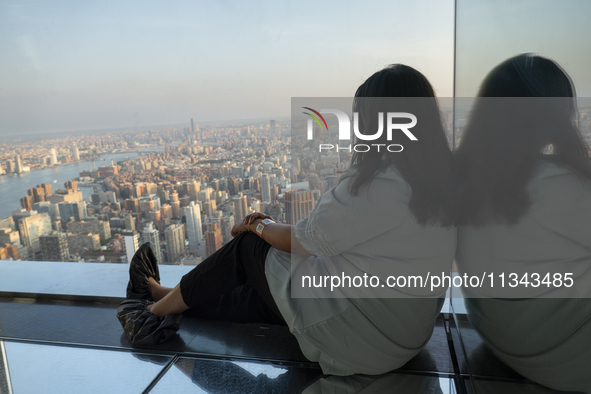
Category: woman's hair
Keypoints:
(525, 105)
(426, 164)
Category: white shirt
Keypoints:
(374, 233)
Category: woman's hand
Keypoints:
(249, 219)
(239, 228)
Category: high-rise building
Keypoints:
(147, 204)
(205, 194)
(175, 209)
(19, 164)
(298, 204)
(102, 228)
(52, 156)
(192, 126)
(175, 242)
(266, 188)
(152, 236)
(209, 207)
(40, 192)
(240, 206)
(51, 209)
(227, 222)
(27, 202)
(166, 211)
(73, 209)
(272, 127)
(78, 243)
(10, 166)
(193, 189)
(8, 236)
(71, 185)
(213, 238)
(194, 230)
(75, 153)
(132, 243)
(65, 195)
(274, 192)
(31, 228)
(133, 205)
(54, 247)
(129, 222)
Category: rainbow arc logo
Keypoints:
(316, 118)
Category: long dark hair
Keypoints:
(525, 104)
(426, 164)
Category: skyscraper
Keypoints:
(227, 223)
(53, 156)
(75, 209)
(175, 242)
(10, 166)
(49, 208)
(151, 236)
(298, 204)
(194, 230)
(213, 238)
(31, 228)
(19, 164)
(54, 247)
(266, 188)
(132, 243)
(129, 222)
(193, 188)
(240, 206)
(75, 153)
(192, 126)
(272, 126)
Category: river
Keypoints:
(14, 187)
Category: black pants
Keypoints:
(231, 284)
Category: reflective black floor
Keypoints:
(73, 347)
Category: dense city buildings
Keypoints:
(181, 188)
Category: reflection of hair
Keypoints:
(426, 164)
(504, 138)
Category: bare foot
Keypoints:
(156, 290)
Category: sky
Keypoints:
(74, 66)
(490, 31)
(80, 65)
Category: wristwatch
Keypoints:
(262, 225)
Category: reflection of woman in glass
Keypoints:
(390, 210)
(525, 207)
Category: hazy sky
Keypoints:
(79, 65)
(490, 31)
